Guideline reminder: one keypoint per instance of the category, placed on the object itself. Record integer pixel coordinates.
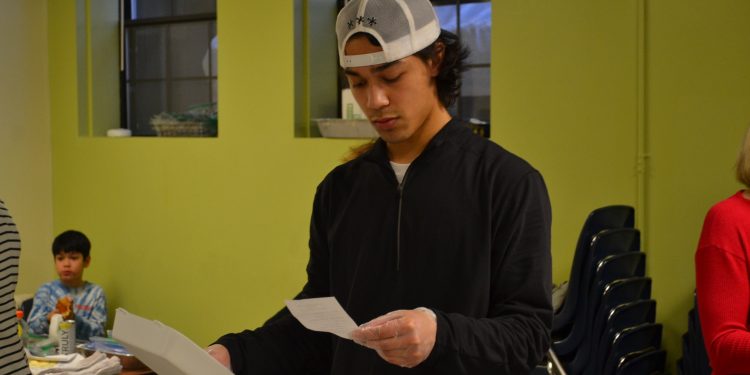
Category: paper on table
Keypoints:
(162, 348)
(322, 314)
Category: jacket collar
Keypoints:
(452, 129)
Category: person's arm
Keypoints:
(43, 305)
(282, 344)
(93, 324)
(723, 306)
(515, 336)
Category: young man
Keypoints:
(438, 238)
(70, 296)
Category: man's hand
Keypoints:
(404, 337)
(220, 354)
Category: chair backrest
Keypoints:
(609, 217)
(684, 366)
(615, 241)
(695, 356)
(26, 306)
(630, 340)
(625, 290)
(619, 266)
(620, 292)
(623, 316)
(631, 314)
(613, 267)
(646, 362)
(607, 243)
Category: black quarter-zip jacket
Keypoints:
(466, 234)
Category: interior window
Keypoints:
(169, 77)
(472, 22)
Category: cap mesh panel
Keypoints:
(391, 21)
(421, 12)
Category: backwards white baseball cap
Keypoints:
(403, 28)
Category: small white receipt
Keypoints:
(322, 314)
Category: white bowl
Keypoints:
(341, 128)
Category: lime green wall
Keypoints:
(564, 96)
(26, 162)
(589, 92)
(698, 91)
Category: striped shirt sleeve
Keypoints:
(12, 356)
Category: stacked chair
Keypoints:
(606, 323)
(694, 360)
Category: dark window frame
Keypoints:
(129, 24)
(458, 3)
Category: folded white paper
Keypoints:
(322, 314)
(162, 348)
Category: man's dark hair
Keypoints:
(448, 80)
(71, 241)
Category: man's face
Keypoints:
(398, 97)
(69, 267)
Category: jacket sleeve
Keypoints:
(515, 335)
(282, 345)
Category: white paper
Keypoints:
(162, 348)
(323, 315)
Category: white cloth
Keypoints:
(95, 364)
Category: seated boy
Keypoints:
(70, 296)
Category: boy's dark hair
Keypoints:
(71, 241)
(448, 80)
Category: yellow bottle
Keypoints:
(19, 315)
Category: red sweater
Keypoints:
(722, 264)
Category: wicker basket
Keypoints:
(172, 128)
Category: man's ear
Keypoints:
(437, 61)
(86, 261)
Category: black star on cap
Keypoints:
(360, 19)
(371, 21)
(350, 24)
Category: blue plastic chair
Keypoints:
(623, 316)
(632, 340)
(605, 243)
(647, 362)
(612, 268)
(609, 269)
(694, 360)
(608, 217)
(621, 292)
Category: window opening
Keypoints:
(169, 78)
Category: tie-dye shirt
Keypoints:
(89, 308)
